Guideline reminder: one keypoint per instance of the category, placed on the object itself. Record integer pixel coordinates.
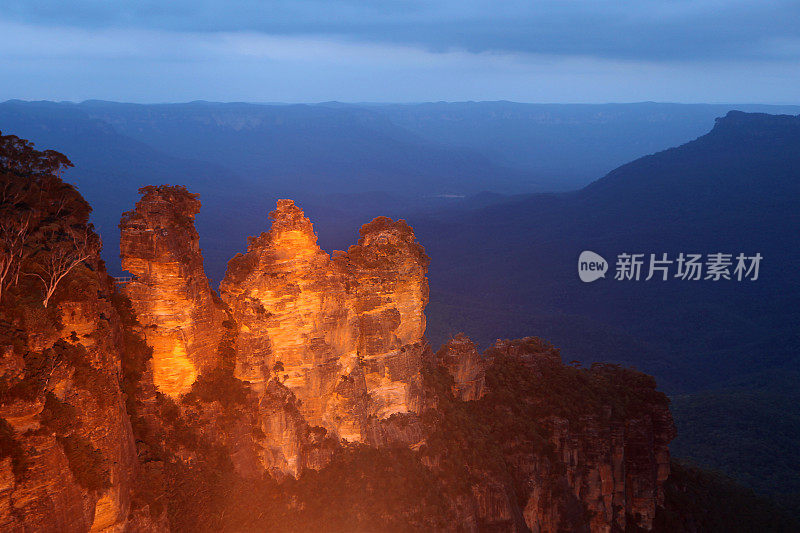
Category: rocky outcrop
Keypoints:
(72, 459)
(614, 471)
(344, 334)
(589, 460)
(162, 407)
(160, 247)
(388, 273)
(463, 362)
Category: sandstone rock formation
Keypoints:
(388, 269)
(461, 359)
(600, 465)
(72, 462)
(344, 334)
(305, 398)
(170, 293)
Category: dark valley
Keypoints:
(336, 391)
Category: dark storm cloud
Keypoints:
(693, 30)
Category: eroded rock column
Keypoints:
(170, 293)
(343, 334)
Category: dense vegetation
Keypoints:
(48, 252)
(44, 230)
(700, 500)
(760, 424)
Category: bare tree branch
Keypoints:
(66, 251)
(14, 235)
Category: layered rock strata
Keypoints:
(603, 462)
(170, 293)
(69, 459)
(344, 334)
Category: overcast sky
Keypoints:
(401, 50)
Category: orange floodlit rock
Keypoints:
(305, 399)
(343, 333)
(169, 291)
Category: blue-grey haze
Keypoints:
(314, 50)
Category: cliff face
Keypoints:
(388, 270)
(169, 291)
(67, 455)
(587, 460)
(343, 334)
(162, 407)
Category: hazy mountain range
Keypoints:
(728, 350)
(382, 158)
(479, 182)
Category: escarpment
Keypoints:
(305, 397)
(67, 453)
(72, 463)
(550, 447)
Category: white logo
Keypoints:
(664, 267)
(591, 266)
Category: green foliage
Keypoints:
(751, 432)
(699, 500)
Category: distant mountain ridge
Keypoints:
(506, 265)
(728, 350)
(577, 143)
(303, 147)
(397, 158)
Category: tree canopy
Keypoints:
(44, 229)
